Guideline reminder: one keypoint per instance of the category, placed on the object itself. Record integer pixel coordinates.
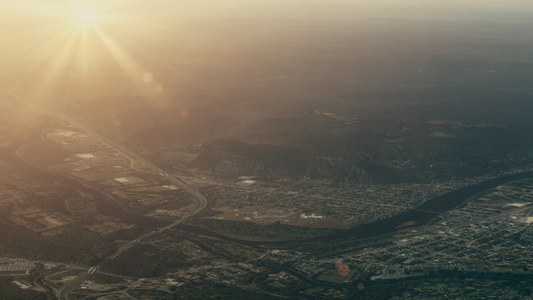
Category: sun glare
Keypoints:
(85, 17)
(83, 45)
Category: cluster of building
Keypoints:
(15, 266)
(486, 235)
(135, 184)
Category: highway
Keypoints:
(63, 293)
(137, 163)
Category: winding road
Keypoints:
(418, 216)
(137, 163)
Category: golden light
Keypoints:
(85, 17)
(78, 41)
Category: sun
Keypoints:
(85, 17)
(83, 46)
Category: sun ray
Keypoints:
(79, 53)
(55, 67)
(132, 69)
(83, 54)
(49, 49)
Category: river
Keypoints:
(108, 206)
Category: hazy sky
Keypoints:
(367, 8)
(27, 23)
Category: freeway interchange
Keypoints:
(137, 163)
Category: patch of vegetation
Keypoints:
(155, 262)
(208, 290)
(8, 290)
(75, 245)
(272, 232)
(105, 279)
